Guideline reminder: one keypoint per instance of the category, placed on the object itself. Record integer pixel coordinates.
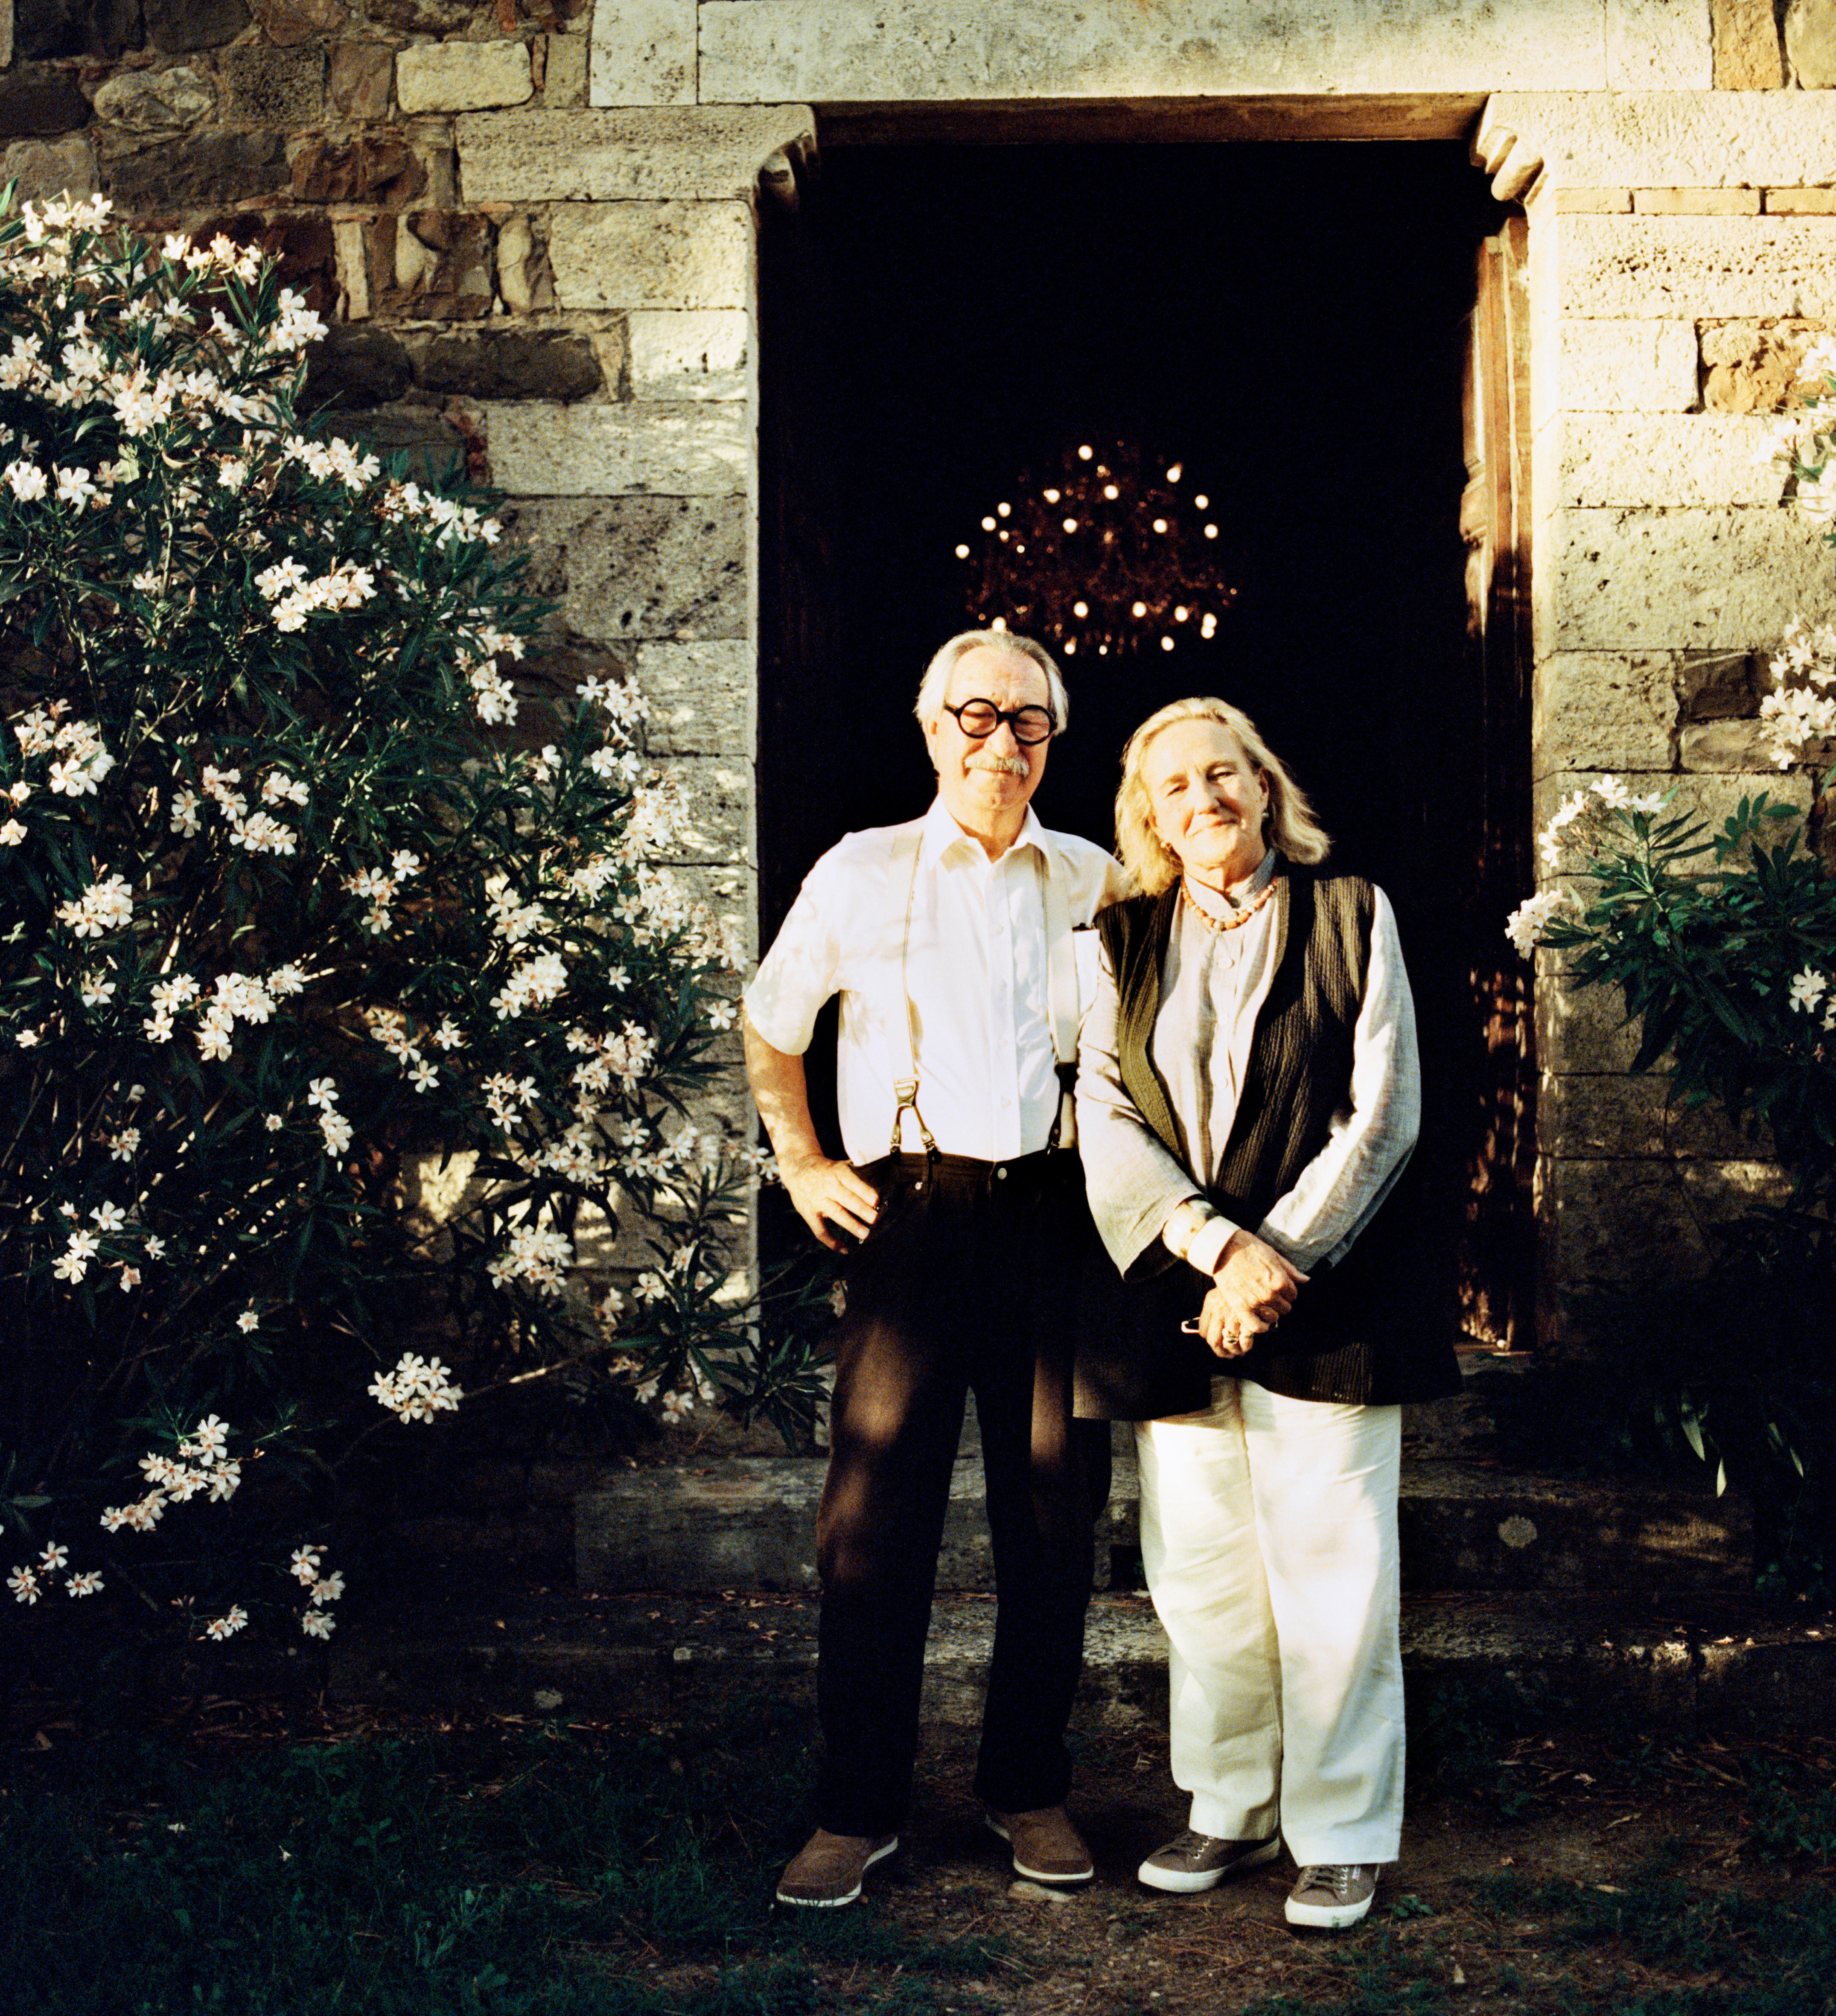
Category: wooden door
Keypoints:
(1496, 1261)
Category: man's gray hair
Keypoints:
(935, 687)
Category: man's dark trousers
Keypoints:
(967, 1283)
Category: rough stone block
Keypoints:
(1800, 203)
(1680, 267)
(1718, 1190)
(524, 281)
(652, 255)
(1668, 139)
(711, 152)
(379, 167)
(288, 22)
(638, 567)
(422, 17)
(1745, 746)
(462, 76)
(728, 890)
(208, 168)
(1629, 367)
(720, 826)
(701, 698)
(44, 169)
(1705, 1133)
(1696, 202)
(564, 75)
(74, 28)
(1591, 459)
(1588, 203)
(644, 53)
(353, 268)
(1747, 57)
(1617, 1221)
(1659, 46)
(863, 51)
(1583, 1029)
(432, 141)
(39, 101)
(696, 356)
(1753, 366)
(508, 364)
(439, 261)
(358, 79)
(1810, 43)
(1603, 711)
(1594, 1114)
(1631, 581)
(174, 26)
(1720, 685)
(156, 101)
(355, 367)
(688, 450)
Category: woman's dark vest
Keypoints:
(1368, 1330)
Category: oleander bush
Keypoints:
(345, 1024)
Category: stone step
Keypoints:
(1707, 1662)
(750, 1523)
(500, 1511)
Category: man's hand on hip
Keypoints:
(829, 1197)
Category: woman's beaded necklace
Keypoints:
(1236, 917)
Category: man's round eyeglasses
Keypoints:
(979, 718)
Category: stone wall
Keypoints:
(1681, 251)
(536, 231)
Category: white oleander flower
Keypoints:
(1532, 917)
(1808, 988)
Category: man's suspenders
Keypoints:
(1061, 988)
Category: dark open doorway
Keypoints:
(1292, 322)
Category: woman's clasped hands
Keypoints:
(1253, 1288)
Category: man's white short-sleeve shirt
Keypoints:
(976, 971)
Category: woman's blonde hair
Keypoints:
(1154, 866)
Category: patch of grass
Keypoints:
(536, 1872)
(1458, 1734)
(1764, 1957)
(1384, 1976)
(1785, 1816)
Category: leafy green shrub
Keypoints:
(1722, 946)
(342, 1018)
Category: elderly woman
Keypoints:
(1247, 1096)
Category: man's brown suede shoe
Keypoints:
(1046, 1846)
(828, 1872)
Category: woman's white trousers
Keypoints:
(1269, 1535)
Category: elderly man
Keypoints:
(948, 940)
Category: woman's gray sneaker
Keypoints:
(1200, 1862)
(1332, 1895)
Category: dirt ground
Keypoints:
(1603, 1816)
(1509, 1853)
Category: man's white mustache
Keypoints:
(1004, 766)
